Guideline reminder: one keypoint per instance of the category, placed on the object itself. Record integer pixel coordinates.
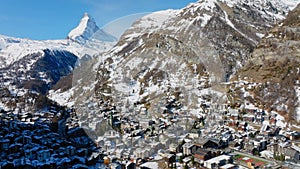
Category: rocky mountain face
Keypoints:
(26, 81)
(182, 53)
(272, 73)
(233, 29)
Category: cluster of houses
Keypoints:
(104, 136)
(176, 138)
(43, 140)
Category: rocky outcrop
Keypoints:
(274, 68)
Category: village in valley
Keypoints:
(103, 136)
(217, 136)
(158, 99)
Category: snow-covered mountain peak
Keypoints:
(202, 26)
(86, 28)
(150, 23)
(203, 4)
(203, 10)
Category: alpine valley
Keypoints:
(210, 85)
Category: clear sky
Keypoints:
(53, 19)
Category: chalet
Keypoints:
(292, 152)
(236, 144)
(130, 165)
(248, 117)
(141, 153)
(202, 155)
(187, 148)
(171, 160)
(294, 136)
(70, 150)
(23, 140)
(212, 143)
(4, 144)
(43, 155)
(32, 152)
(273, 147)
(15, 148)
(282, 147)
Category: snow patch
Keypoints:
(260, 35)
(63, 98)
(208, 5)
(297, 90)
(152, 165)
(205, 19)
(232, 26)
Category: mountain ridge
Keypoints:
(187, 52)
(183, 25)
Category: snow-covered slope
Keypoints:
(35, 66)
(233, 28)
(13, 49)
(188, 48)
(86, 39)
(203, 10)
(150, 23)
(88, 29)
(186, 51)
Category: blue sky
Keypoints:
(53, 19)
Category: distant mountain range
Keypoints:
(35, 66)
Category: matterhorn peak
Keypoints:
(87, 29)
(86, 14)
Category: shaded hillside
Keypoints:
(274, 69)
